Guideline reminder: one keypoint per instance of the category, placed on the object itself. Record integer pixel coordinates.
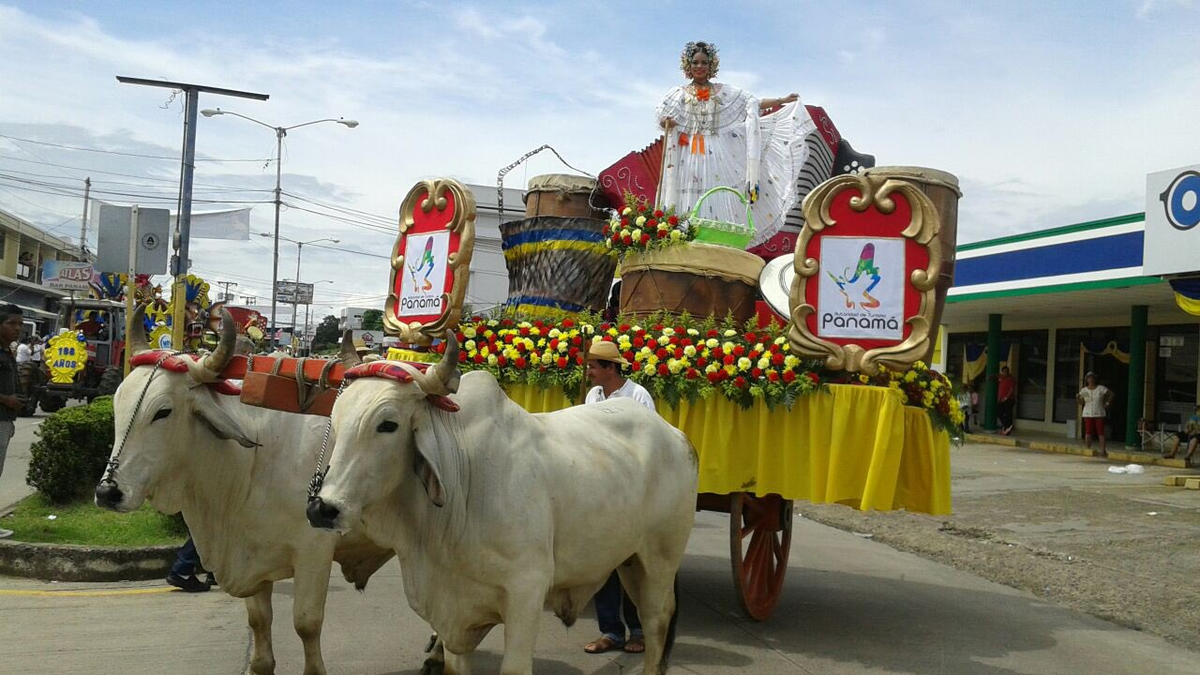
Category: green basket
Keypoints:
(720, 232)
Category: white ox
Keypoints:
(239, 475)
(496, 513)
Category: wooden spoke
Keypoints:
(760, 537)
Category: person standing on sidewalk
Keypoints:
(1007, 400)
(10, 329)
(1095, 399)
(604, 363)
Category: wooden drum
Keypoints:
(942, 189)
(561, 195)
(556, 265)
(700, 279)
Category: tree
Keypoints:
(373, 319)
(327, 333)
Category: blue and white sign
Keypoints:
(67, 275)
(1172, 221)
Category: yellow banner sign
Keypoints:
(66, 355)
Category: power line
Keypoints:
(60, 190)
(127, 154)
(356, 223)
(386, 220)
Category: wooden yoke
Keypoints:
(289, 384)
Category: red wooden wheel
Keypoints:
(760, 536)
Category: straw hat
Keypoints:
(606, 351)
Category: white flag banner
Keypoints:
(229, 224)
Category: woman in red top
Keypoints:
(1007, 396)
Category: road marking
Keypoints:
(87, 594)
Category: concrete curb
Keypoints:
(1064, 449)
(63, 562)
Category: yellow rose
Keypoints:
(484, 351)
(693, 332)
(781, 339)
(554, 332)
(627, 211)
(648, 369)
(663, 340)
(668, 331)
(711, 343)
(636, 234)
(641, 220)
(727, 347)
(491, 359)
(689, 351)
(791, 361)
(652, 359)
(469, 332)
(764, 363)
(711, 368)
(730, 333)
(674, 366)
(675, 235)
(744, 363)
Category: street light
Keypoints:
(299, 250)
(280, 132)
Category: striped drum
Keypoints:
(556, 265)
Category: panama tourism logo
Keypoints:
(423, 286)
(866, 300)
(1181, 201)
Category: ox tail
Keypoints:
(670, 642)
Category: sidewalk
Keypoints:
(1048, 442)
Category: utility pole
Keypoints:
(184, 222)
(87, 192)
(227, 296)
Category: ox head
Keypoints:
(387, 425)
(166, 419)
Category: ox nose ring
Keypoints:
(108, 495)
(320, 514)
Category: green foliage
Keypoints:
(326, 334)
(72, 450)
(86, 524)
(373, 319)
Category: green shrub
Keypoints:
(72, 450)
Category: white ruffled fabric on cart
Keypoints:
(741, 148)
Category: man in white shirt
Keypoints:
(24, 351)
(1095, 399)
(39, 350)
(604, 363)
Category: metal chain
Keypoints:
(115, 461)
(510, 167)
(318, 479)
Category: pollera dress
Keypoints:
(724, 141)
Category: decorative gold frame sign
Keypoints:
(872, 190)
(433, 206)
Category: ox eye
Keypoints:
(161, 414)
(387, 427)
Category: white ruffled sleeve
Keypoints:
(671, 107)
(753, 142)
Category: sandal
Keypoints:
(635, 645)
(601, 644)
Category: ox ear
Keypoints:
(221, 424)
(431, 438)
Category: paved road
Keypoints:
(12, 481)
(850, 605)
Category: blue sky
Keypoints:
(1050, 113)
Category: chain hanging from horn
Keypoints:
(115, 461)
(318, 479)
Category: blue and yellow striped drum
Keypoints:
(556, 265)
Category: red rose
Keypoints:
(579, 359)
(626, 239)
(624, 328)
(567, 323)
(739, 382)
(661, 354)
(816, 379)
(562, 362)
(692, 373)
(641, 332)
(645, 238)
(772, 376)
(520, 362)
(658, 213)
(661, 234)
(789, 377)
(701, 362)
(624, 222)
(652, 223)
(729, 359)
(756, 372)
(606, 338)
(658, 327)
(751, 337)
(462, 356)
(628, 356)
(663, 370)
(639, 342)
(520, 346)
(711, 333)
(502, 360)
(524, 332)
(573, 351)
(777, 360)
(554, 344)
(679, 352)
(616, 238)
(686, 342)
(674, 339)
(713, 376)
(717, 352)
(738, 350)
(672, 220)
(576, 340)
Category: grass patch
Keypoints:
(86, 524)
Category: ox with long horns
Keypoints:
(239, 476)
(493, 511)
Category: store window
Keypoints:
(1178, 349)
(1032, 361)
(1104, 351)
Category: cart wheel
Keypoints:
(760, 537)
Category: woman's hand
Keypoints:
(790, 98)
(667, 123)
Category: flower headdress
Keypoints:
(709, 49)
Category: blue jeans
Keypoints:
(187, 560)
(609, 599)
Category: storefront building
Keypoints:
(1100, 296)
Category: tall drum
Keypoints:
(942, 189)
(561, 195)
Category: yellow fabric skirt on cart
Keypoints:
(853, 445)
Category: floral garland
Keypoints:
(680, 358)
(640, 227)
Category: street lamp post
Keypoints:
(299, 250)
(280, 132)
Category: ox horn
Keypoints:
(137, 331)
(219, 358)
(446, 371)
(348, 355)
